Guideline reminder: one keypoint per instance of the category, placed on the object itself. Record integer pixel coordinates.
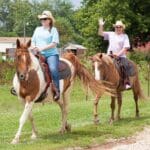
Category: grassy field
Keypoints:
(84, 132)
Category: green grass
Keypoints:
(84, 132)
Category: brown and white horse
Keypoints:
(105, 70)
(29, 82)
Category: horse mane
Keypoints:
(107, 59)
(86, 77)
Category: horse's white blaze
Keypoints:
(97, 71)
(24, 57)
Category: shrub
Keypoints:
(7, 71)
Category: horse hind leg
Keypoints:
(23, 118)
(119, 100)
(64, 110)
(112, 105)
(136, 104)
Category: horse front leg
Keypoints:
(112, 105)
(34, 132)
(96, 101)
(23, 118)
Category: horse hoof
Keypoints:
(33, 136)
(96, 121)
(62, 131)
(118, 118)
(111, 121)
(14, 141)
(68, 127)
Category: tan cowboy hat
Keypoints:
(46, 14)
(119, 23)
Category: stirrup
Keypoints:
(13, 91)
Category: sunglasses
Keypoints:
(118, 27)
(44, 19)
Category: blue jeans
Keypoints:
(53, 62)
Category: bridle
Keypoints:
(22, 75)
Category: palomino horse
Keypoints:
(29, 83)
(105, 70)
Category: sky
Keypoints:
(76, 3)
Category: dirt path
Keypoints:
(140, 141)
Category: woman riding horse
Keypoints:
(45, 40)
(118, 44)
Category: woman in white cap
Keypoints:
(118, 41)
(45, 40)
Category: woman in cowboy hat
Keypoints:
(45, 40)
(118, 41)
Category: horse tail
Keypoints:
(137, 89)
(86, 77)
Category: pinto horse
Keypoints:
(105, 70)
(29, 82)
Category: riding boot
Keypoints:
(56, 92)
(127, 84)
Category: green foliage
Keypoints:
(65, 30)
(7, 71)
(135, 14)
(137, 57)
(23, 14)
(148, 57)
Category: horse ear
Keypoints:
(90, 58)
(29, 43)
(18, 43)
(100, 55)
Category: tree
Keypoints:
(22, 13)
(65, 29)
(4, 12)
(134, 13)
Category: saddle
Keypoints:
(125, 69)
(64, 72)
(124, 66)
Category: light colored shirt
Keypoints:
(43, 37)
(116, 42)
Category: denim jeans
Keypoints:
(53, 62)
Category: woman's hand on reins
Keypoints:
(35, 50)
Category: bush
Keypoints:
(7, 71)
(137, 57)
